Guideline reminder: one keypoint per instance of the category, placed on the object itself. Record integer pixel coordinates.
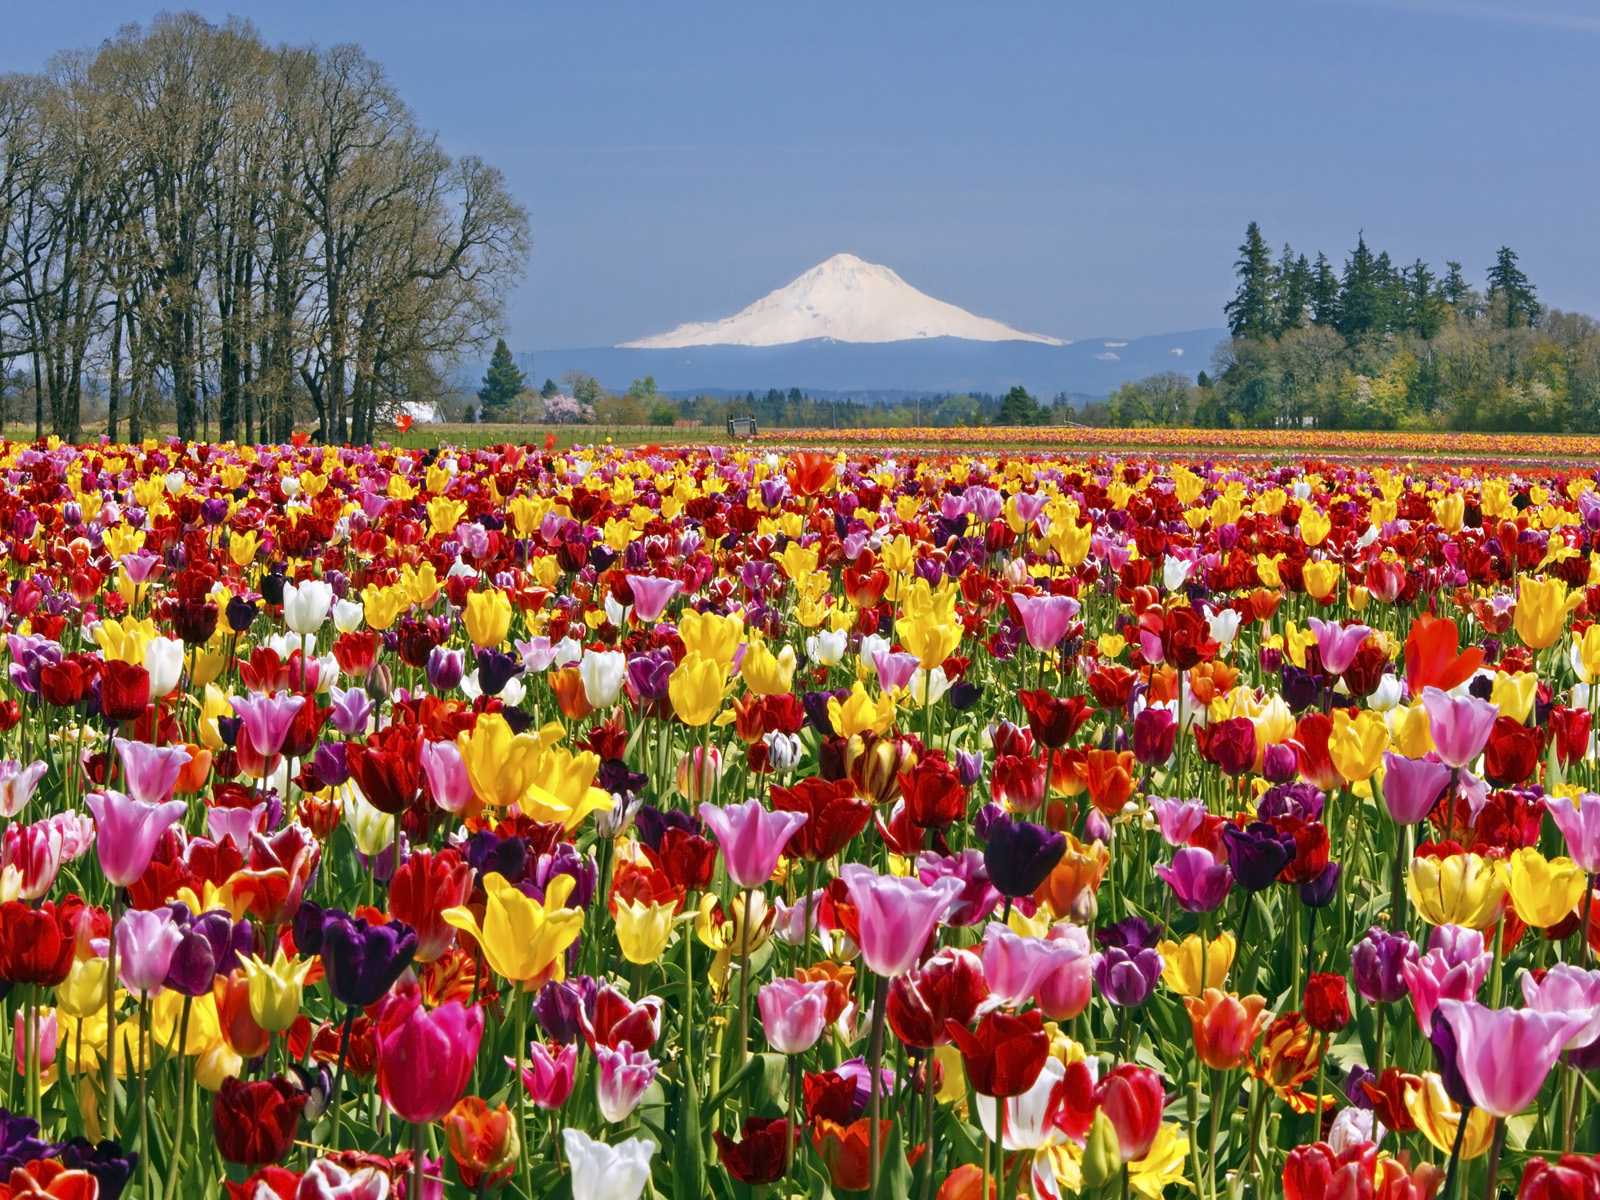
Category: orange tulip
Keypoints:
(1289, 1056)
(1225, 1027)
(1110, 779)
(193, 775)
(1081, 869)
(239, 1029)
(810, 472)
(568, 687)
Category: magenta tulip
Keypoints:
(1411, 786)
(1460, 727)
(1045, 619)
(425, 1058)
(152, 771)
(1338, 644)
(548, 1077)
(146, 942)
(897, 916)
(625, 1075)
(1454, 968)
(448, 782)
(1198, 881)
(651, 595)
(1579, 822)
(1567, 989)
(267, 719)
(1504, 1054)
(752, 838)
(793, 1013)
(126, 832)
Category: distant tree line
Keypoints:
(1372, 345)
(203, 231)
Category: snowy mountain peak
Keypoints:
(846, 299)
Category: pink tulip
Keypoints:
(46, 1039)
(18, 783)
(895, 670)
(127, 830)
(625, 1074)
(1579, 822)
(1411, 786)
(1338, 644)
(651, 595)
(793, 1014)
(1178, 820)
(448, 782)
(1066, 983)
(752, 838)
(1045, 619)
(897, 916)
(1460, 727)
(425, 1058)
(267, 719)
(548, 1077)
(1566, 988)
(1454, 968)
(151, 771)
(1504, 1054)
(237, 823)
(146, 942)
(1012, 965)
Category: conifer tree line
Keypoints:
(1368, 344)
(205, 234)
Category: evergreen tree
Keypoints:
(1293, 292)
(1324, 293)
(502, 384)
(1250, 311)
(1454, 288)
(1019, 408)
(1426, 308)
(1508, 283)
(1361, 297)
(549, 389)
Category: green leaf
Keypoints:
(688, 1154)
(821, 1188)
(894, 1177)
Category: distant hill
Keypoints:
(1093, 367)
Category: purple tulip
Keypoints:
(1256, 853)
(560, 1005)
(1338, 644)
(1126, 978)
(267, 719)
(126, 832)
(496, 668)
(1155, 733)
(1199, 882)
(351, 711)
(1376, 965)
(1178, 819)
(1320, 892)
(329, 764)
(445, 669)
(752, 838)
(146, 942)
(1045, 619)
(969, 767)
(1412, 786)
(212, 945)
(1020, 855)
(1460, 728)
(363, 961)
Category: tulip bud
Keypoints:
(379, 682)
(1102, 1153)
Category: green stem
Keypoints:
(874, 1087)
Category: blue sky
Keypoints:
(1074, 169)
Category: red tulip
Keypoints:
(1327, 1003)
(948, 987)
(1571, 728)
(387, 767)
(834, 816)
(1513, 752)
(37, 944)
(1054, 721)
(933, 793)
(1432, 659)
(1133, 1098)
(124, 691)
(760, 1154)
(1310, 744)
(1186, 639)
(254, 1123)
(424, 886)
(63, 684)
(1004, 1056)
(425, 1057)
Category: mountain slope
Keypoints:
(844, 299)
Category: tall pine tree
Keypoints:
(1508, 283)
(502, 384)
(1324, 293)
(1250, 310)
(1293, 292)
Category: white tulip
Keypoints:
(827, 647)
(1175, 572)
(348, 615)
(306, 605)
(602, 1172)
(373, 830)
(163, 659)
(603, 673)
(1224, 625)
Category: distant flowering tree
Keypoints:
(562, 409)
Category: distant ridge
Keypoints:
(844, 299)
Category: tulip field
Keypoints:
(734, 822)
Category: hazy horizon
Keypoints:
(1078, 174)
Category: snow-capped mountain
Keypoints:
(845, 299)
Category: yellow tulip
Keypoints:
(711, 636)
(242, 547)
(500, 763)
(169, 1031)
(124, 641)
(1184, 963)
(522, 940)
(727, 932)
(383, 606)
(275, 988)
(1356, 744)
(445, 514)
(1515, 694)
(83, 992)
(1544, 891)
(1463, 889)
(562, 788)
(1410, 731)
(1439, 1117)
(1542, 608)
(1315, 526)
(696, 686)
(643, 930)
(1321, 578)
(217, 1064)
(1267, 569)
(797, 560)
(487, 617)
(765, 673)
(858, 713)
(1162, 1165)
